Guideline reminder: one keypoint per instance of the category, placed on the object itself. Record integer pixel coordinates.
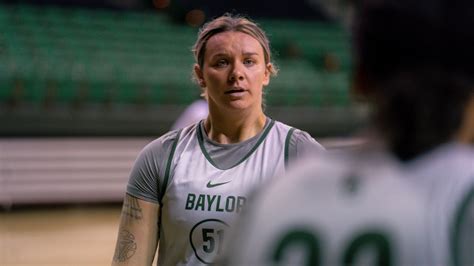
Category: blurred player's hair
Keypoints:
(415, 62)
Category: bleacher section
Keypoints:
(69, 55)
(38, 171)
(55, 59)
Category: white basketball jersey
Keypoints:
(445, 178)
(201, 201)
(337, 210)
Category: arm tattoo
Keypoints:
(131, 209)
(126, 246)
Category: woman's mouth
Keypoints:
(235, 91)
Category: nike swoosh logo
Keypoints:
(210, 185)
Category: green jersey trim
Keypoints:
(467, 201)
(168, 167)
(287, 145)
(208, 157)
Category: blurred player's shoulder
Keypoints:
(365, 160)
(445, 178)
(453, 159)
(195, 112)
(444, 174)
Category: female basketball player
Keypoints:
(407, 198)
(188, 186)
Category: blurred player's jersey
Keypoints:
(194, 113)
(446, 180)
(363, 208)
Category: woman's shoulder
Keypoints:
(301, 140)
(296, 132)
(165, 143)
(164, 140)
(297, 142)
(280, 125)
(170, 137)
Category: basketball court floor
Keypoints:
(59, 235)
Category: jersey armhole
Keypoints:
(462, 218)
(162, 189)
(287, 145)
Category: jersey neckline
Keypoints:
(200, 138)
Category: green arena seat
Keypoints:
(80, 55)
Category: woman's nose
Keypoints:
(236, 73)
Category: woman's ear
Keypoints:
(268, 73)
(199, 76)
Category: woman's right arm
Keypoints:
(138, 232)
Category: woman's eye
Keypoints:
(248, 62)
(222, 63)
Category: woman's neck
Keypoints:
(226, 129)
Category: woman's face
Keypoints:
(234, 71)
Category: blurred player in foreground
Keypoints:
(195, 112)
(407, 196)
(188, 186)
